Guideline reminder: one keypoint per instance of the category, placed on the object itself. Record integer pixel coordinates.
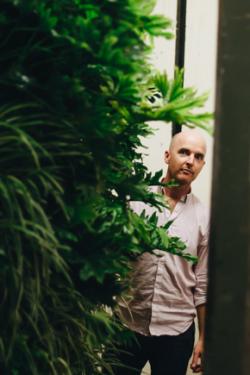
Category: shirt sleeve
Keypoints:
(201, 271)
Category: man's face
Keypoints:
(185, 158)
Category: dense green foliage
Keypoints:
(73, 77)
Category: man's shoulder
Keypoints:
(197, 202)
(201, 210)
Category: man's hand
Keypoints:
(197, 365)
(197, 360)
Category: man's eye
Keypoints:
(199, 157)
(183, 152)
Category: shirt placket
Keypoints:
(160, 276)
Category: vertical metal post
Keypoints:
(228, 318)
(180, 44)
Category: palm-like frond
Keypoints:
(178, 104)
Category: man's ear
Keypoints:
(166, 156)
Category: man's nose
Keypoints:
(190, 159)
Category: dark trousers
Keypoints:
(167, 355)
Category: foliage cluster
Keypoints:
(72, 75)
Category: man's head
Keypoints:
(185, 157)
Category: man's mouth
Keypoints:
(187, 171)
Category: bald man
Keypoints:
(167, 292)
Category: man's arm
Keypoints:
(197, 364)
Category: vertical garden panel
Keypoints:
(229, 308)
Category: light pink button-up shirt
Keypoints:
(166, 288)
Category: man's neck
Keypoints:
(176, 192)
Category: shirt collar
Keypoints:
(182, 200)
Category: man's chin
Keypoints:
(184, 180)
